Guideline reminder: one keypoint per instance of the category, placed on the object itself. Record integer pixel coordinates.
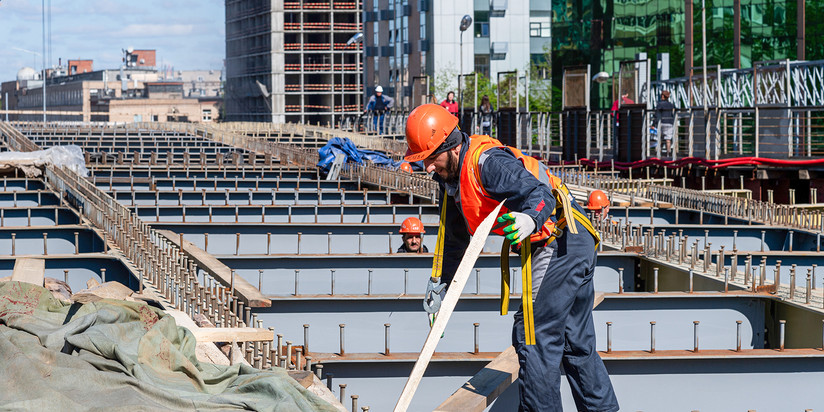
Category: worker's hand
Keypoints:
(432, 297)
(520, 226)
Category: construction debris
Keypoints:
(128, 355)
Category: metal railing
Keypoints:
(732, 206)
(416, 185)
(577, 134)
(384, 178)
(16, 140)
(274, 130)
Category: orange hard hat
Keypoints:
(426, 128)
(406, 167)
(597, 200)
(412, 225)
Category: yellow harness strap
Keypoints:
(437, 261)
(526, 266)
(526, 281)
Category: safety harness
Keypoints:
(551, 230)
(564, 209)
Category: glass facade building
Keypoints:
(739, 33)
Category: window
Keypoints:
(539, 27)
(481, 23)
(482, 29)
(207, 115)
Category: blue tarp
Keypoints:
(338, 145)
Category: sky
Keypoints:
(187, 34)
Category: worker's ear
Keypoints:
(456, 150)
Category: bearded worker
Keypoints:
(557, 243)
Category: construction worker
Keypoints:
(412, 231)
(379, 104)
(405, 167)
(554, 325)
(598, 203)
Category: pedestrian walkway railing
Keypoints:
(15, 140)
(771, 132)
(278, 130)
(732, 206)
(415, 184)
(382, 177)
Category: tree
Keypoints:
(485, 87)
(445, 82)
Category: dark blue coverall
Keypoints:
(564, 330)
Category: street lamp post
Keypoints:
(44, 61)
(355, 39)
(466, 21)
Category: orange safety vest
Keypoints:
(475, 202)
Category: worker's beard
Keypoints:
(452, 172)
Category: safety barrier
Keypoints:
(732, 206)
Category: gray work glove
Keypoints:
(432, 297)
(520, 226)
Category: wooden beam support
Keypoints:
(249, 294)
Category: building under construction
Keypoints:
(231, 229)
(293, 61)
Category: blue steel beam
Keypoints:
(630, 314)
(202, 172)
(376, 238)
(58, 240)
(215, 184)
(351, 213)
(208, 196)
(27, 199)
(296, 214)
(37, 216)
(392, 274)
(725, 383)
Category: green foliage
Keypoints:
(542, 95)
(485, 87)
(445, 82)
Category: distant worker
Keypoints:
(665, 118)
(412, 231)
(450, 104)
(599, 204)
(554, 326)
(378, 104)
(487, 112)
(405, 167)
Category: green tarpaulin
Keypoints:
(118, 355)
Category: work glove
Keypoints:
(432, 298)
(520, 226)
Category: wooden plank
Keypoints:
(249, 294)
(233, 334)
(448, 305)
(29, 270)
(483, 388)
